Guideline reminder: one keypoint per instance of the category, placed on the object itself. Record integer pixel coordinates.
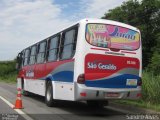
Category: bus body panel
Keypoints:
(106, 71)
(60, 73)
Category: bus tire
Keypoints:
(49, 94)
(25, 93)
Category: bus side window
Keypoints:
(26, 56)
(68, 44)
(52, 51)
(75, 40)
(32, 58)
(41, 52)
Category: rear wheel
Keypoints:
(49, 94)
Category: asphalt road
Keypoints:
(35, 107)
(7, 112)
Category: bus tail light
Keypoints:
(83, 94)
(139, 82)
(139, 95)
(81, 79)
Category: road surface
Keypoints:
(35, 108)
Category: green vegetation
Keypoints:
(150, 88)
(8, 72)
(144, 15)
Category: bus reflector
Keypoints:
(83, 94)
(81, 79)
(139, 95)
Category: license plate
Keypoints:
(131, 82)
(112, 94)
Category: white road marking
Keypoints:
(17, 110)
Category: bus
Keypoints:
(93, 60)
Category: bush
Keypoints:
(154, 65)
(150, 87)
(8, 72)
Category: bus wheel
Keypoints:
(49, 95)
(25, 93)
(97, 103)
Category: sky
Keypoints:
(25, 22)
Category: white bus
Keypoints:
(93, 60)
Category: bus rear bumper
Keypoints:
(92, 93)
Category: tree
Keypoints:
(144, 15)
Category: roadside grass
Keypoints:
(151, 87)
(10, 78)
(140, 103)
(8, 72)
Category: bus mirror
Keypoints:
(18, 63)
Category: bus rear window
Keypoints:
(111, 36)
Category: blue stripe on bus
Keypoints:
(64, 76)
(116, 82)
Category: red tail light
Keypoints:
(81, 79)
(139, 82)
(139, 95)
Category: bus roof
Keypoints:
(105, 21)
(90, 20)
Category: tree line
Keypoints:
(145, 15)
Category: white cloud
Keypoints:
(24, 22)
(97, 8)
